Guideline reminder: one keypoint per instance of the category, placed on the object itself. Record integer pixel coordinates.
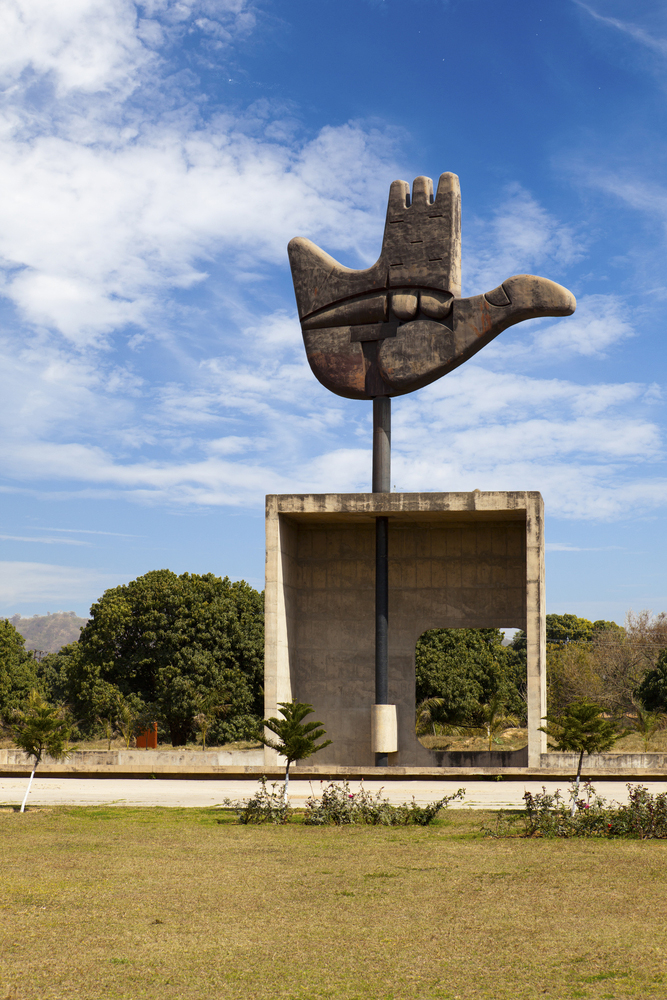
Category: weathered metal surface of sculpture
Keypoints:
(401, 324)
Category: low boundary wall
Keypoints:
(249, 764)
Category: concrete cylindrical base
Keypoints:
(384, 729)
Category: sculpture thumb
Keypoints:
(420, 354)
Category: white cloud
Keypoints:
(89, 46)
(568, 547)
(476, 428)
(26, 582)
(108, 203)
(88, 531)
(85, 45)
(520, 237)
(92, 236)
(118, 211)
(645, 196)
(580, 445)
(42, 540)
(599, 322)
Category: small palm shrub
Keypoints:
(296, 738)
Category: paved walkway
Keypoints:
(193, 792)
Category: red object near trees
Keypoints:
(147, 740)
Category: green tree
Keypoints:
(580, 729)
(493, 717)
(466, 668)
(646, 724)
(569, 628)
(167, 641)
(652, 692)
(433, 712)
(61, 676)
(18, 669)
(296, 740)
(490, 718)
(38, 730)
(573, 672)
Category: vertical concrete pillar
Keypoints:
(535, 632)
(279, 613)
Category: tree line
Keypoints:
(187, 652)
(467, 678)
(184, 651)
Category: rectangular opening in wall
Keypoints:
(470, 691)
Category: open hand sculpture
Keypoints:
(401, 324)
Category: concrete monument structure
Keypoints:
(457, 560)
(353, 579)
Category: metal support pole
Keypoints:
(382, 444)
(381, 484)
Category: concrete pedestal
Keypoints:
(456, 560)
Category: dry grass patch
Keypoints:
(119, 904)
(510, 739)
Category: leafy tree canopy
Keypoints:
(167, 643)
(652, 692)
(38, 730)
(569, 628)
(18, 675)
(466, 668)
(580, 728)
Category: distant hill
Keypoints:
(49, 632)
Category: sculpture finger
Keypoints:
(399, 199)
(422, 191)
(320, 281)
(422, 239)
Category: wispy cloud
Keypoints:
(88, 531)
(568, 547)
(519, 237)
(634, 31)
(42, 540)
(643, 195)
(599, 322)
(22, 582)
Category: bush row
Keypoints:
(337, 806)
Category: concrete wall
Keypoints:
(635, 763)
(456, 560)
(129, 761)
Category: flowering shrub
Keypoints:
(264, 807)
(338, 806)
(644, 817)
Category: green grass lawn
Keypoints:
(104, 903)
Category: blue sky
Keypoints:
(156, 159)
